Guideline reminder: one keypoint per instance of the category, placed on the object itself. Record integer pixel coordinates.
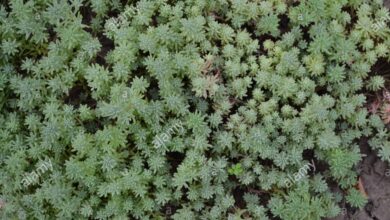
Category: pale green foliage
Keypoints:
(240, 93)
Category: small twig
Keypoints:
(2, 203)
(314, 165)
(257, 191)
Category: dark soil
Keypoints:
(375, 175)
(387, 3)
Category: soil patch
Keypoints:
(375, 175)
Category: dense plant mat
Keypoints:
(195, 109)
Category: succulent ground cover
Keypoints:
(195, 109)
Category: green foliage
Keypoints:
(310, 206)
(235, 170)
(238, 95)
(356, 198)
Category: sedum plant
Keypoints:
(259, 88)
